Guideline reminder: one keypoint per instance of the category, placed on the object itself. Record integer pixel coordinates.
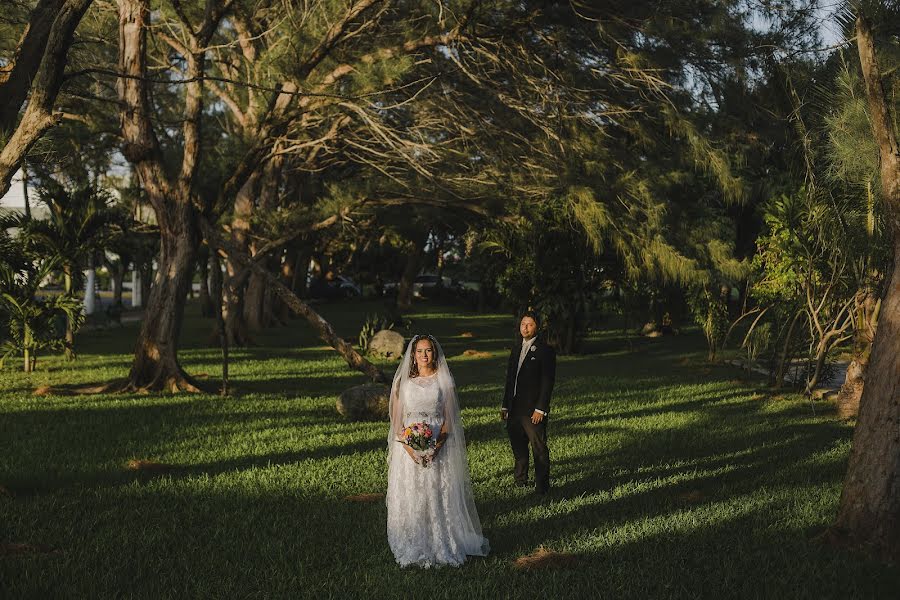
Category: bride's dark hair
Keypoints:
(413, 365)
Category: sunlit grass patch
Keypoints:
(669, 481)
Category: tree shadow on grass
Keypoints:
(77, 445)
(728, 556)
(651, 476)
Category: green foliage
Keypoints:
(709, 308)
(549, 266)
(32, 321)
(82, 221)
(376, 322)
(759, 341)
(852, 150)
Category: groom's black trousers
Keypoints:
(523, 432)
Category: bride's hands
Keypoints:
(442, 439)
(412, 453)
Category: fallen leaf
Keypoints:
(148, 466)
(11, 549)
(542, 558)
(692, 496)
(365, 498)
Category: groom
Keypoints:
(526, 403)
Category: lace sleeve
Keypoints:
(396, 411)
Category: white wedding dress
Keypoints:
(431, 514)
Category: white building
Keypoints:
(14, 200)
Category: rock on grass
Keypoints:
(367, 402)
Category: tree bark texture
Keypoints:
(156, 365)
(869, 513)
(41, 85)
(235, 322)
(323, 328)
(206, 307)
(867, 311)
(258, 299)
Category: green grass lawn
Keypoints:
(672, 478)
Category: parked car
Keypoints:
(333, 287)
(348, 287)
(425, 284)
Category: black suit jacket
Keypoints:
(535, 379)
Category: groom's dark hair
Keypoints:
(533, 315)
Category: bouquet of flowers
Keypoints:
(419, 437)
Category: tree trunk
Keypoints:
(155, 365)
(235, 322)
(25, 198)
(69, 288)
(323, 328)
(821, 356)
(203, 259)
(300, 283)
(29, 51)
(866, 324)
(869, 513)
(327, 333)
(118, 274)
(145, 282)
(439, 258)
(258, 299)
(27, 341)
(413, 262)
(288, 275)
(217, 299)
(254, 303)
(50, 45)
(786, 353)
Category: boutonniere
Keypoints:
(532, 349)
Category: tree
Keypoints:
(170, 194)
(869, 513)
(80, 223)
(35, 72)
(31, 321)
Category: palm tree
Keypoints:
(80, 223)
(30, 321)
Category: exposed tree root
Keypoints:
(837, 538)
(162, 382)
(165, 382)
(110, 387)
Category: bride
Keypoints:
(432, 518)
